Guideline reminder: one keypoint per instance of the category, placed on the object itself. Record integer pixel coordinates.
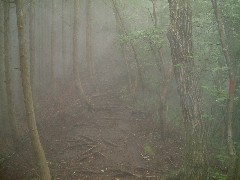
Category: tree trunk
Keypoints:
(7, 60)
(167, 77)
(231, 148)
(139, 74)
(120, 32)
(53, 43)
(27, 92)
(3, 103)
(76, 70)
(154, 3)
(162, 110)
(32, 41)
(89, 58)
(180, 38)
(64, 59)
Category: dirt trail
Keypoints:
(113, 142)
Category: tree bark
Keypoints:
(231, 147)
(27, 92)
(64, 59)
(32, 41)
(8, 80)
(180, 38)
(53, 43)
(154, 3)
(3, 103)
(76, 70)
(90, 62)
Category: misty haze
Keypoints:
(119, 89)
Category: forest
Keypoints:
(120, 89)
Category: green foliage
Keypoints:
(220, 95)
(218, 169)
(218, 68)
(218, 176)
(223, 158)
(231, 13)
(178, 65)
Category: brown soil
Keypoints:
(112, 142)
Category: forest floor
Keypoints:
(112, 142)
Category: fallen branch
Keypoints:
(89, 171)
(147, 170)
(125, 173)
(89, 150)
(110, 143)
(90, 155)
(87, 138)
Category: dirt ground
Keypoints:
(112, 142)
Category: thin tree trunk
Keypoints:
(167, 77)
(7, 60)
(168, 74)
(180, 38)
(154, 3)
(123, 47)
(32, 41)
(3, 101)
(231, 147)
(27, 92)
(53, 43)
(130, 85)
(89, 58)
(139, 74)
(47, 44)
(162, 110)
(76, 70)
(64, 60)
(155, 55)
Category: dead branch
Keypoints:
(110, 143)
(90, 155)
(89, 150)
(125, 173)
(87, 138)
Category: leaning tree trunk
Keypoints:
(76, 70)
(231, 149)
(180, 38)
(119, 19)
(27, 92)
(120, 31)
(7, 59)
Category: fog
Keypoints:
(117, 89)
